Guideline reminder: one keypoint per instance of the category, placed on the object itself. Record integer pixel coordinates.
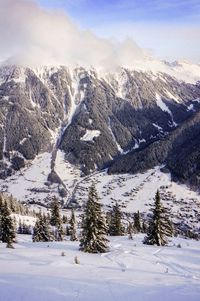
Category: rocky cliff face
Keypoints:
(128, 120)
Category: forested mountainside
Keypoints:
(127, 120)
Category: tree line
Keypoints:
(96, 226)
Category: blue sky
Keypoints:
(93, 12)
(170, 29)
(99, 32)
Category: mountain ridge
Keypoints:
(95, 120)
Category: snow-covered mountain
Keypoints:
(128, 121)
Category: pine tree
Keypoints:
(160, 227)
(73, 236)
(42, 231)
(48, 216)
(108, 220)
(8, 232)
(93, 238)
(37, 231)
(56, 220)
(20, 227)
(1, 210)
(67, 230)
(12, 205)
(144, 227)
(64, 219)
(46, 228)
(116, 227)
(55, 217)
(137, 222)
(26, 229)
(14, 221)
(130, 229)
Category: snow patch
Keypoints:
(23, 140)
(197, 100)
(67, 172)
(114, 138)
(171, 96)
(90, 135)
(6, 98)
(190, 107)
(164, 108)
(54, 135)
(142, 141)
(157, 127)
(45, 72)
(136, 145)
(32, 102)
(121, 78)
(162, 105)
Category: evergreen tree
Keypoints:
(56, 220)
(42, 231)
(144, 227)
(93, 238)
(160, 227)
(108, 220)
(1, 210)
(46, 228)
(26, 229)
(55, 217)
(37, 231)
(116, 227)
(14, 221)
(67, 230)
(73, 236)
(48, 216)
(8, 233)
(137, 222)
(130, 229)
(20, 227)
(64, 219)
(12, 205)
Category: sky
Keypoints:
(168, 28)
(98, 32)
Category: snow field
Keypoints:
(130, 271)
(133, 192)
(137, 192)
(90, 135)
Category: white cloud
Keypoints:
(31, 35)
(167, 41)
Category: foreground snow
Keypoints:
(130, 271)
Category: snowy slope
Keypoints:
(26, 219)
(137, 192)
(181, 70)
(130, 271)
(33, 176)
(133, 192)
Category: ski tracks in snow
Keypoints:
(173, 268)
(112, 257)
